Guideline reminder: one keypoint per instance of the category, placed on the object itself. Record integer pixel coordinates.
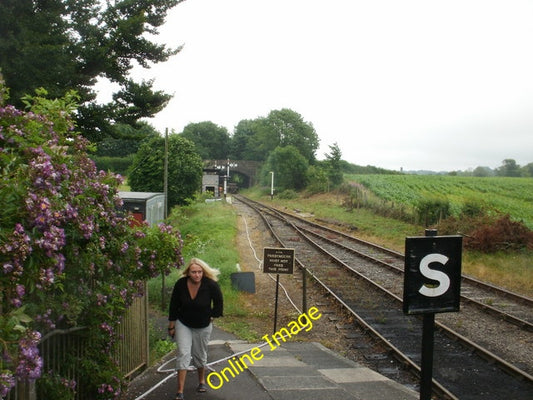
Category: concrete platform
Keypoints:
(293, 371)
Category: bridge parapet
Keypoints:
(244, 167)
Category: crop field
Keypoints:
(513, 196)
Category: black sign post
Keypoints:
(277, 261)
(432, 284)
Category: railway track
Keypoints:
(367, 280)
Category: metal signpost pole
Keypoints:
(272, 185)
(304, 289)
(276, 304)
(426, 376)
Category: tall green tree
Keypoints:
(64, 45)
(527, 170)
(289, 167)
(291, 130)
(211, 141)
(184, 169)
(256, 139)
(482, 172)
(128, 141)
(263, 141)
(508, 168)
(333, 165)
(243, 132)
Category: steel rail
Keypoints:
(488, 286)
(449, 332)
(526, 325)
(438, 388)
(397, 353)
(522, 323)
(488, 355)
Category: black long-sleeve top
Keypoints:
(197, 312)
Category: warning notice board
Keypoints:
(278, 260)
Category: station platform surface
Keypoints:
(292, 371)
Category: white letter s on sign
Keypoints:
(441, 277)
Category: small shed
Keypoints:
(211, 181)
(145, 206)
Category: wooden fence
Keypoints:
(132, 352)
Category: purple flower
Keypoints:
(164, 228)
(71, 212)
(7, 268)
(20, 290)
(139, 234)
(7, 382)
(30, 363)
(101, 299)
(47, 277)
(52, 241)
(16, 302)
(70, 384)
(19, 229)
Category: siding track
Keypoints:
(367, 281)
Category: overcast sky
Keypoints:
(439, 85)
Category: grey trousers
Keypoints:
(192, 345)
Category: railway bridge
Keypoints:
(233, 173)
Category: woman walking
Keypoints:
(196, 300)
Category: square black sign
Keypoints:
(432, 281)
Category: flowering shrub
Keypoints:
(67, 257)
(56, 387)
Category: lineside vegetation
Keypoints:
(379, 221)
(513, 196)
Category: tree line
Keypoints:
(282, 141)
(509, 168)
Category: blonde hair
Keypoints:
(209, 272)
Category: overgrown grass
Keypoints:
(511, 270)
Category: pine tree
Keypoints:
(61, 45)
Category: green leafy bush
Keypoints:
(184, 169)
(118, 165)
(432, 209)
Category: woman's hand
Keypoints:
(171, 331)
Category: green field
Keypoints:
(513, 196)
